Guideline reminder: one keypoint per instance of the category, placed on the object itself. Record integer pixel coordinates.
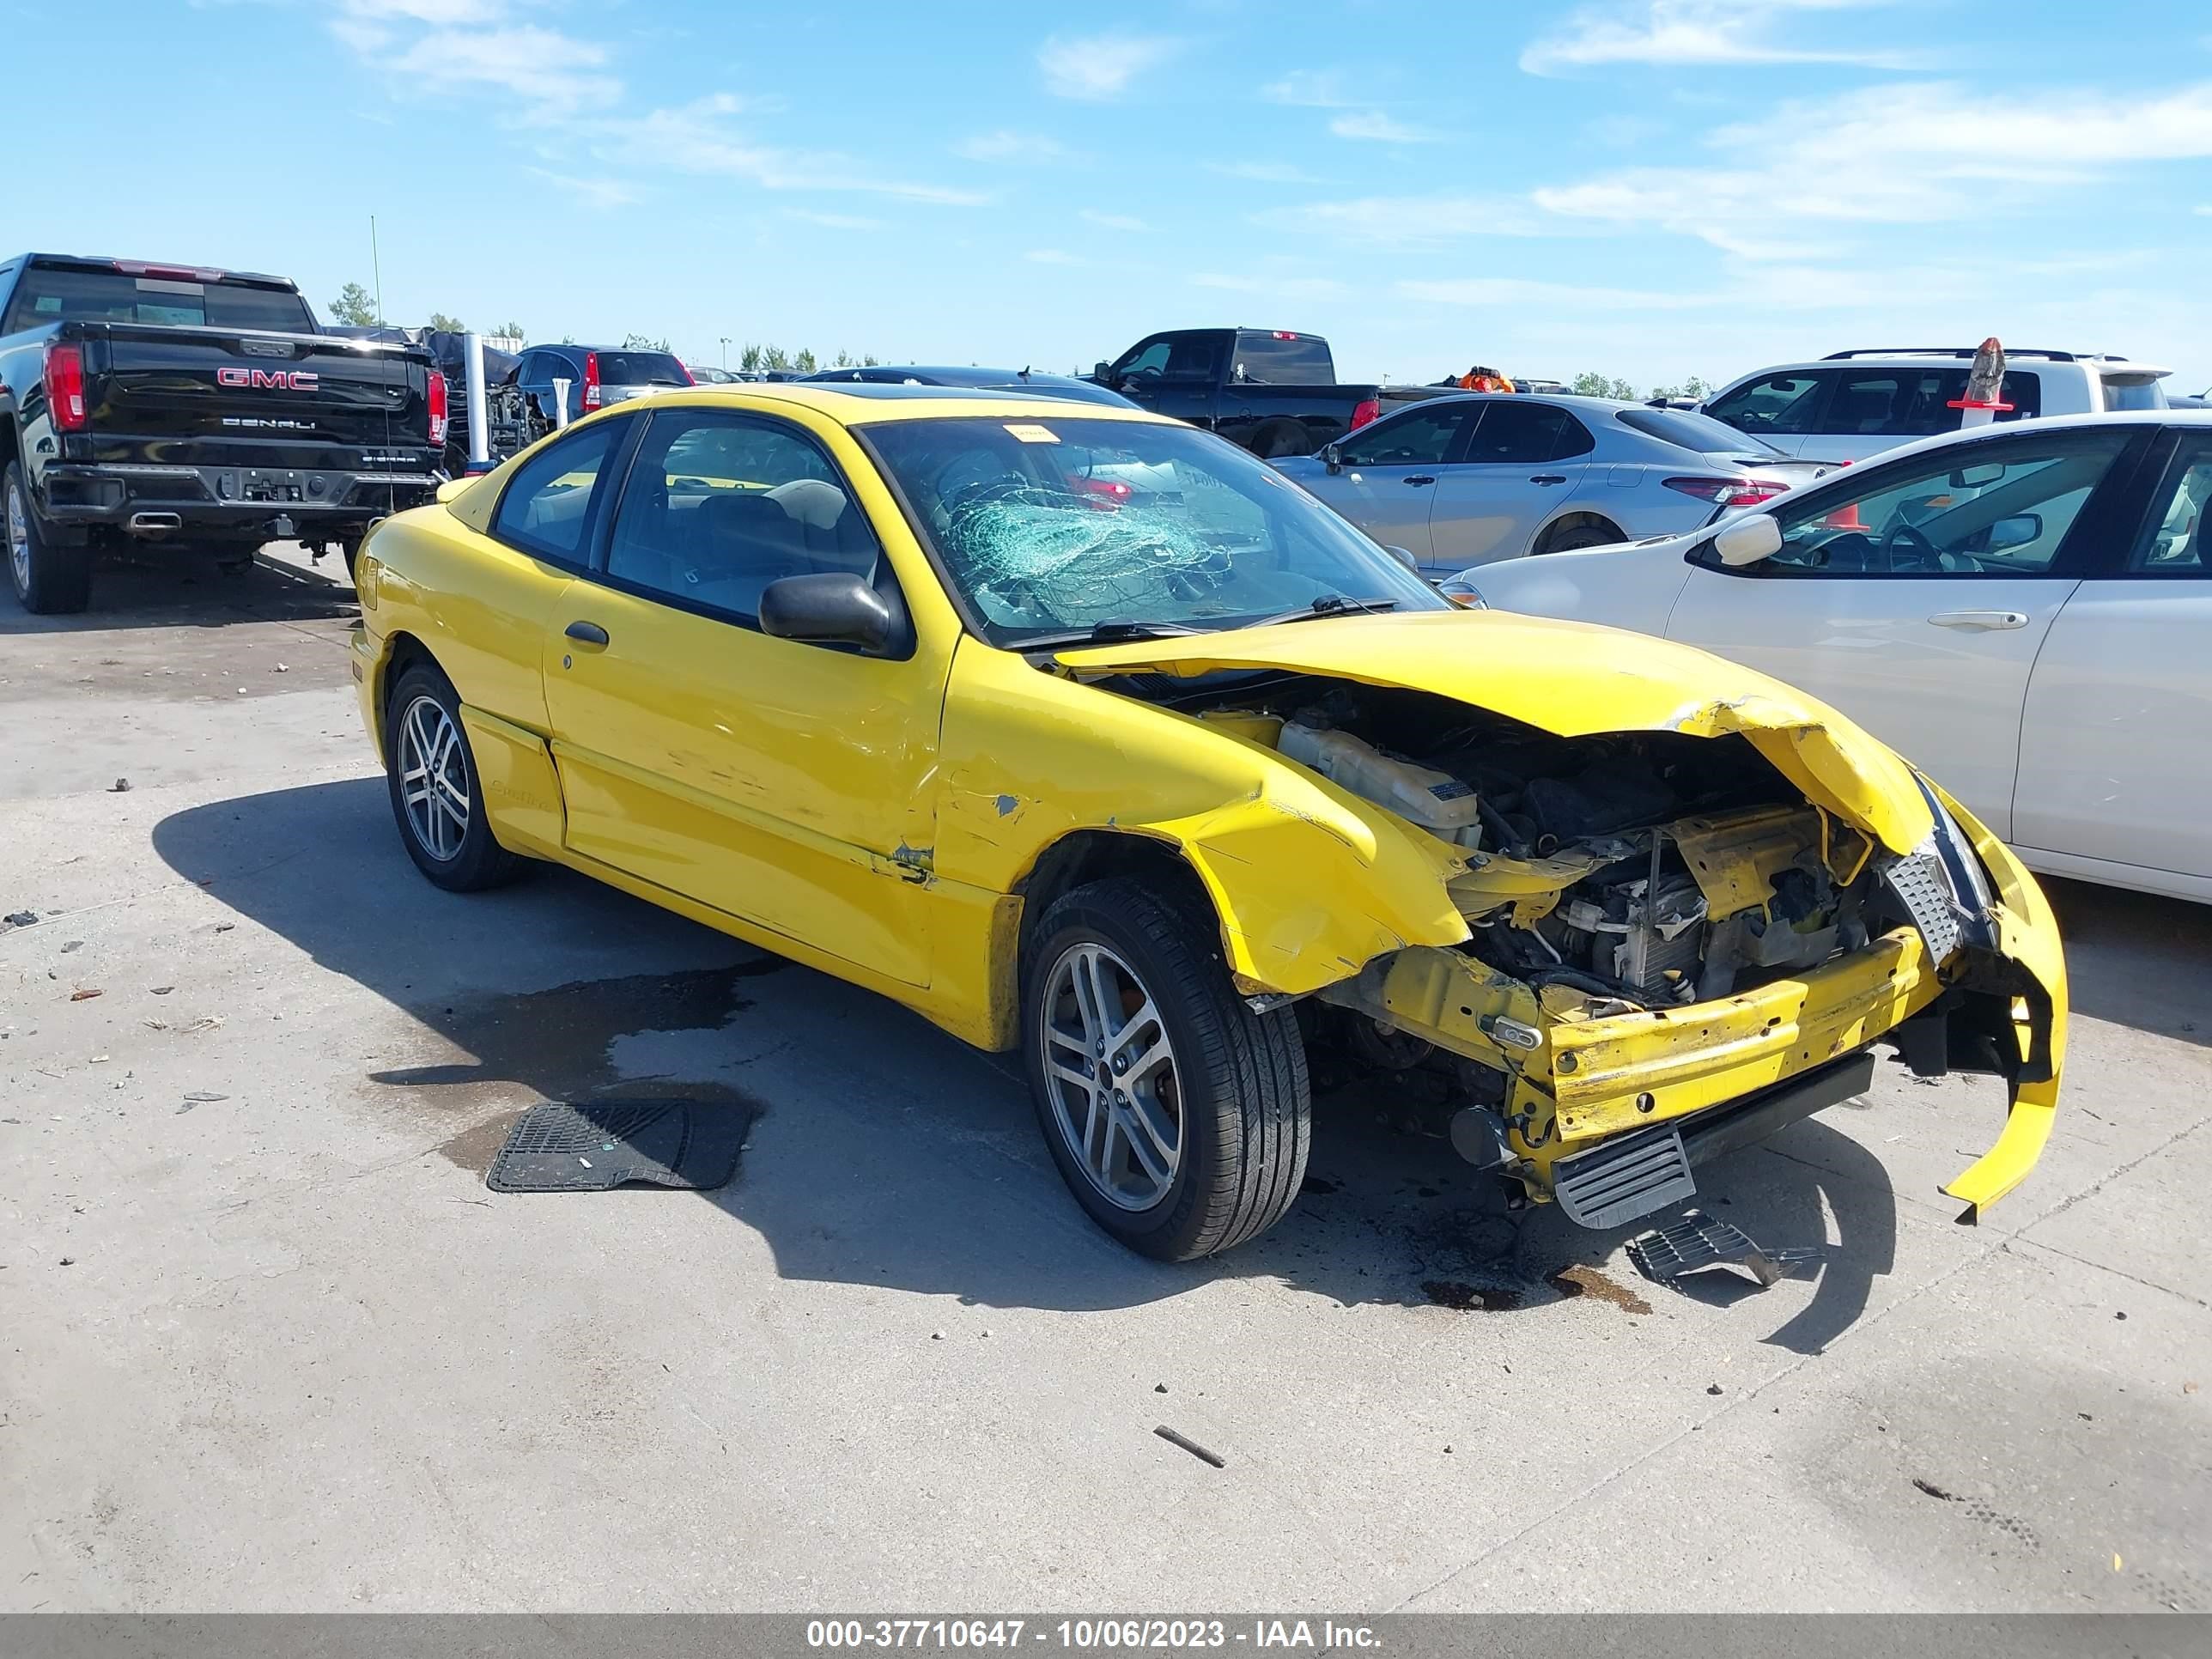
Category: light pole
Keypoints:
(725, 349)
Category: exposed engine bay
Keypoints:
(1630, 871)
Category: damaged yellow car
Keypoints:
(1085, 733)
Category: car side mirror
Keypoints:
(1104, 374)
(1332, 459)
(2018, 531)
(1406, 558)
(1746, 540)
(837, 608)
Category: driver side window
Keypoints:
(1151, 358)
(1974, 511)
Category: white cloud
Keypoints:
(552, 71)
(1381, 128)
(1922, 153)
(1407, 221)
(1313, 88)
(833, 221)
(697, 138)
(1008, 146)
(2204, 212)
(601, 193)
(1263, 172)
(1099, 67)
(1503, 291)
(1276, 288)
(1675, 32)
(1114, 221)
(1051, 255)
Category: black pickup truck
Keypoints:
(1273, 391)
(154, 403)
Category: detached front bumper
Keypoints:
(1609, 1116)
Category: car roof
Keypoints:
(2040, 361)
(866, 403)
(1593, 406)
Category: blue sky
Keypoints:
(1649, 188)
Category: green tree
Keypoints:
(512, 331)
(1590, 384)
(775, 357)
(842, 359)
(446, 325)
(354, 307)
(804, 362)
(1696, 387)
(642, 343)
(750, 358)
(870, 361)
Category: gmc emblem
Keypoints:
(269, 379)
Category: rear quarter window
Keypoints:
(1272, 360)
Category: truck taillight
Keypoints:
(1366, 410)
(65, 388)
(689, 378)
(591, 382)
(441, 418)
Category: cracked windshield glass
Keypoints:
(1051, 525)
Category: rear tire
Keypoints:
(51, 578)
(1223, 1121)
(1581, 535)
(432, 776)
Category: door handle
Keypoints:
(1418, 479)
(1980, 621)
(588, 633)
(1547, 477)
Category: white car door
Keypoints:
(2116, 746)
(1526, 459)
(1914, 594)
(1387, 472)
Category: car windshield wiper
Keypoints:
(1328, 604)
(1105, 633)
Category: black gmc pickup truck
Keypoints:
(1271, 390)
(166, 403)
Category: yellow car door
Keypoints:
(781, 782)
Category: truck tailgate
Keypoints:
(153, 381)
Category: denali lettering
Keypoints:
(269, 379)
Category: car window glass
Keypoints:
(1193, 357)
(717, 507)
(1421, 436)
(1283, 359)
(1513, 430)
(1151, 359)
(1780, 403)
(2133, 394)
(1959, 513)
(1574, 438)
(2180, 540)
(548, 502)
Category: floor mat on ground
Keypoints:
(574, 1147)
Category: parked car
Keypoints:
(150, 403)
(1465, 479)
(2025, 612)
(1017, 380)
(707, 374)
(1118, 786)
(1851, 405)
(596, 375)
(1273, 391)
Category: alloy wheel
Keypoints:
(19, 540)
(434, 778)
(1110, 1077)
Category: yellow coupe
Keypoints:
(1086, 735)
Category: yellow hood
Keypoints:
(1573, 679)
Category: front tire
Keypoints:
(1179, 1118)
(50, 579)
(432, 775)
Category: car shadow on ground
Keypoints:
(184, 587)
(2136, 959)
(887, 1152)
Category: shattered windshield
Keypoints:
(1046, 525)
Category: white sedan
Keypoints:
(2025, 613)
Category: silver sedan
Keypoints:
(1465, 480)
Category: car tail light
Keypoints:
(1107, 495)
(1366, 410)
(1728, 492)
(591, 381)
(65, 388)
(689, 378)
(439, 415)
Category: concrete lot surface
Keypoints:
(267, 1341)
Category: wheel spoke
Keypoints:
(1111, 1085)
(1155, 1153)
